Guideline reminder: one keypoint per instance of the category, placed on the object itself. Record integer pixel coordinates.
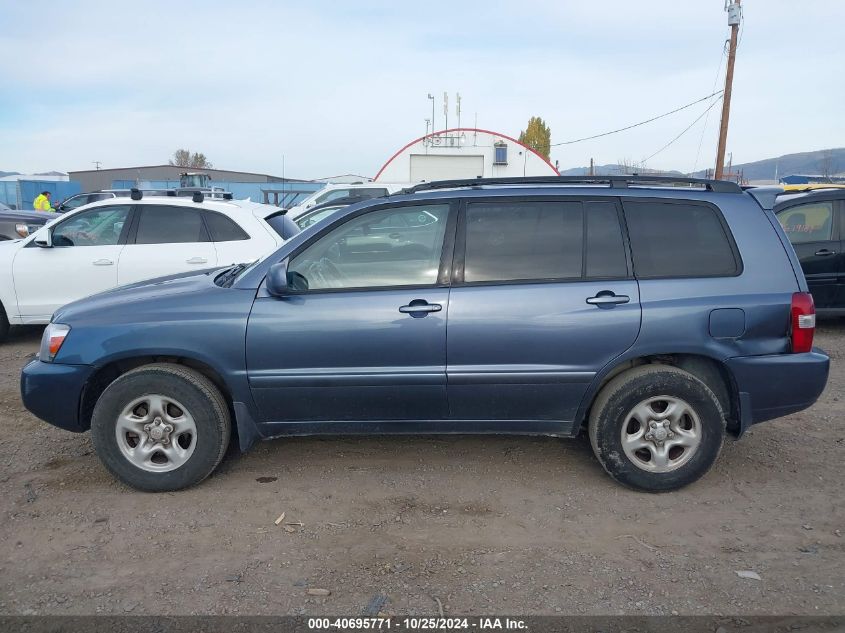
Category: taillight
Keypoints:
(803, 322)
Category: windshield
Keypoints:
(360, 192)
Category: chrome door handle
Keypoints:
(825, 253)
(607, 298)
(196, 260)
(103, 262)
(420, 305)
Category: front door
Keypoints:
(812, 229)
(543, 299)
(82, 261)
(165, 240)
(364, 337)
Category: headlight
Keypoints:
(51, 342)
(22, 229)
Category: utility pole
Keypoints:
(734, 18)
(592, 168)
(97, 164)
(446, 108)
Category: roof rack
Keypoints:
(614, 182)
(197, 195)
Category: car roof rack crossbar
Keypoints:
(614, 182)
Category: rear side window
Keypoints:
(537, 240)
(678, 240)
(170, 225)
(812, 222)
(223, 229)
(523, 240)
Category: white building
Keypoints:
(463, 153)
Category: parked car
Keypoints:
(814, 222)
(655, 316)
(120, 241)
(332, 192)
(315, 214)
(17, 224)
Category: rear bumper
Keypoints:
(52, 392)
(773, 386)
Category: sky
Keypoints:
(314, 89)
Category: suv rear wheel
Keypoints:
(4, 324)
(161, 427)
(656, 428)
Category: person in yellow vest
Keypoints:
(42, 202)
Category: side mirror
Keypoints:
(45, 241)
(277, 280)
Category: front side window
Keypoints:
(98, 227)
(812, 222)
(170, 225)
(389, 247)
(75, 201)
(678, 240)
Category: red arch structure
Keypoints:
(464, 129)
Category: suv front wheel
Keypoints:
(656, 428)
(161, 427)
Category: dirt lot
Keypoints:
(482, 524)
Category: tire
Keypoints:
(158, 397)
(4, 324)
(688, 437)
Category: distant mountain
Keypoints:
(9, 173)
(820, 162)
(50, 173)
(613, 169)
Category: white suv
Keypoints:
(335, 191)
(119, 241)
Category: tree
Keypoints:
(184, 158)
(537, 136)
(827, 165)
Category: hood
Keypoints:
(36, 217)
(138, 297)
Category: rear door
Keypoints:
(814, 232)
(165, 240)
(542, 299)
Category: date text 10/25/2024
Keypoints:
(417, 623)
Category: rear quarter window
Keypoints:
(223, 229)
(676, 239)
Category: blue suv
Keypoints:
(658, 315)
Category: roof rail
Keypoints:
(614, 182)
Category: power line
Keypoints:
(685, 130)
(707, 118)
(629, 127)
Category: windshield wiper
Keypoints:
(225, 279)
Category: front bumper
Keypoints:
(776, 385)
(53, 391)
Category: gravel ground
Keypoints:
(480, 524)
